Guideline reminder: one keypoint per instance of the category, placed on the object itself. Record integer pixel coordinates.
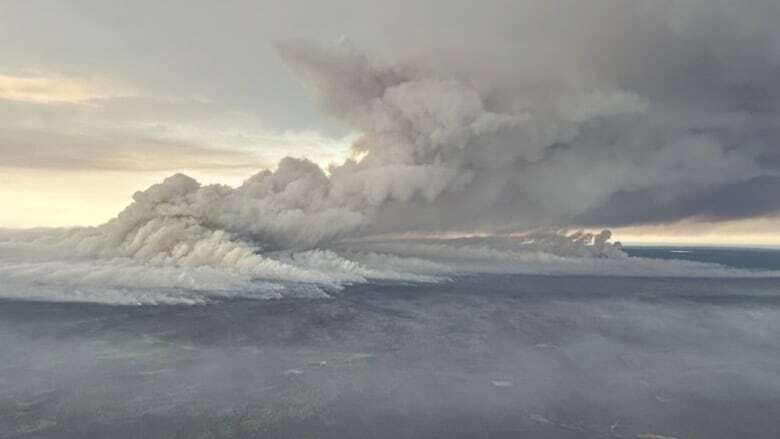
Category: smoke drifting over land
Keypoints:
(495, 139)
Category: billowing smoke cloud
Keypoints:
(443, 147)
(529, 153)
(600, 104)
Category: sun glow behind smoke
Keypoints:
(753, 232)
(54, 89)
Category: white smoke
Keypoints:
(432, 154)
(559, 256)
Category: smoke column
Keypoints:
(434, 158)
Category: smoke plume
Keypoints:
(437, 153)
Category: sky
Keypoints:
(656, 119)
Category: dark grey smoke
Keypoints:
(756, 197)
(632, 113)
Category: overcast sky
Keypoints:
(645, 113)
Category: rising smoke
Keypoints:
(438, 153)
